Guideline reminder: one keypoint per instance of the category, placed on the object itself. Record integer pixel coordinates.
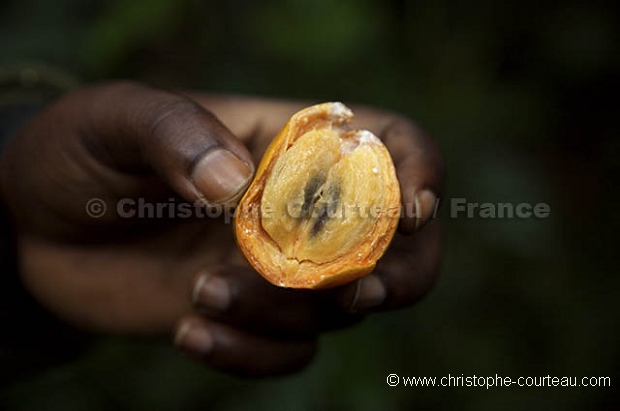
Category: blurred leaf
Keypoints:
(316, 34)
(125, 26)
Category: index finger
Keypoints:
(419, 164)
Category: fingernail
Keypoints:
(212, 293)
(425, 205)
(194, 338)
(370, 293)
(221, 176)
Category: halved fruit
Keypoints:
(324, 204)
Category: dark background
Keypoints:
(522, 98)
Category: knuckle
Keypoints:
(169, 113)
(405, 288)
(301, 355)
(172, 129)
(398, 125)
(124, 86)
(401, 122)
(405, 295)
(401, 290)
(416, 147)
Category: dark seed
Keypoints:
(310, 197)
(326, 209)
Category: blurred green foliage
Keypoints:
(520, 97)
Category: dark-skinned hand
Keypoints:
(184, 277)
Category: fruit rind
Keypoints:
(264, 254)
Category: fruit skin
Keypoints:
(264, 254)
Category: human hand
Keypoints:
(410, 267)
(156, 276)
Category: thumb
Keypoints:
(141, 127)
